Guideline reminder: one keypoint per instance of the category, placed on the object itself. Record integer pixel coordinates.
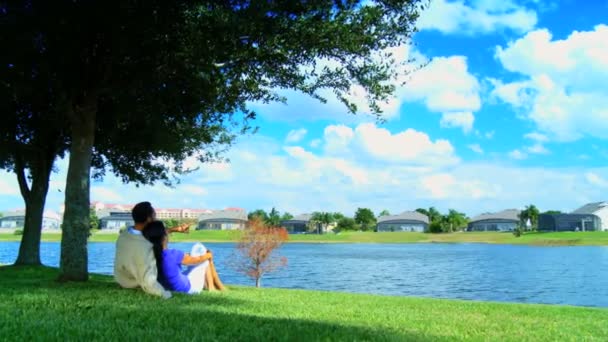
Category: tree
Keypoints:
(171, 222)
(260, 213)
(365, 218)
(454, 221)
(286, 217)
(529, 213)
(552, 212)
(274, 218)
(30, 136)
(423, 211)
(346, 223)
(120, 76)
(384, 213)
(338, 216)
(93, 219)
(435, 227)
(322, 220)
(434, 215)
(254, 252)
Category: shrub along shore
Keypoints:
(533, 238)
(33, 306)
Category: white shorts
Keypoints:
(196, 274)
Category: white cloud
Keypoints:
(105, 194)
(337, 138)
(193, 189)
(8, 184)
(596, 180)
(564, 91)
(482, 16)
(446, 86)
(476, 148)
(458, 119)
(538, 137)
(265, 173)
(537, 148)
(517, 154)
(316, 143)
(295, 135)
(444, 186)
(406, 146)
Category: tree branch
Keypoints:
(20, 171)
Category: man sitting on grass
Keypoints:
(135, 264)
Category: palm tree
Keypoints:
(455, 220)
(274, 218)
(324, 219)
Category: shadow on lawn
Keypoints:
(34, 306)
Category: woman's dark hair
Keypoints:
(155, 232)
(142, 211)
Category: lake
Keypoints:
(524, 274)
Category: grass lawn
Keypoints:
(542, 239)
(35, 307)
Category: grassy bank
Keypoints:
(35, 307)
(542, 239)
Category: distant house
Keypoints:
(105, 209)
(298, 224)
(116, 220)
(408, 221)
(16, 219)
(503, 221)
(599, 209)
(569, 222)
(223, 220)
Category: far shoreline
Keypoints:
(540, 239)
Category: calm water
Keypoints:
(552, 275)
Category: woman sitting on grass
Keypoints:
(200, 275)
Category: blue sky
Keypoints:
(511, 109)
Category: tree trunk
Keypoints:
(258, 282)
(73, 264)
(29, 249)
(35, 199)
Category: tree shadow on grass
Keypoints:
(34, 306)
(118, 322)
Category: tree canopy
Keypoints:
(323, 220)
(384, 213)
(531, 213)
(346, 223)
(365, 218)
(141, 87)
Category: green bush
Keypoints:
(18, 232)
(519, 231)
(435, 227)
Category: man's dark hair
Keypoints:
(142, 211)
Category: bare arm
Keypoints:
(182, 228)
(189, 260)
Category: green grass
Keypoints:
(541, 239)
(35, 307)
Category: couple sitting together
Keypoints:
(143, 259)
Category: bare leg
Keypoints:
(209, 284)
(216, 278)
